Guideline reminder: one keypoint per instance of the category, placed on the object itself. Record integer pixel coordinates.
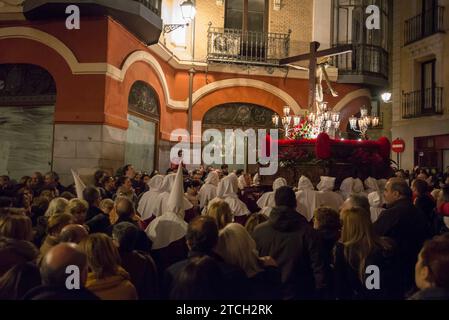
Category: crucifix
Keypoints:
(313, 56)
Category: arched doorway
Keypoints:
(241, 116)
(27, 105)
(142, 134)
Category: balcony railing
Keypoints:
(422, 103)
(424, 25)
(363, 60)
(247, 47)
(153, 5)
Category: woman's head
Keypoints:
(237, 248)
(358, 237)
(16, 226)
(254, 220)
(57, 205)
(106, 205)
(124, 183)
(102, 255)
(327, 220)
(58, 221)
(220, 211)
(78, 209)
(432, 267)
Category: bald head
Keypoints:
(57, 259)
(73, 233)
(124, 207)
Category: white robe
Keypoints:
(148, 204)
(209, 189)
(170, 226)
(325, 197)
(375, 200)
(227, 190)
(266, 201)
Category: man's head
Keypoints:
(285, 196)
(37, 179)
(73, 233)
(356, 201)
(92, 196)
(124, 208)
(51, 178)
(124, 235)
(396, 189)
(202, 234)
(433, 264)
(129, 171)
(420, 187)
(58, 258)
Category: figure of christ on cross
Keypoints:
(313, 56)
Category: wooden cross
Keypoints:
(312, 56)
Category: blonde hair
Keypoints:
(237, 248)
(102, 255)
(359, 239)
(57, 205)
(106, 204)
(254, 220)
(16, 226)
(58, 221)
(76, 205)
(220, 211)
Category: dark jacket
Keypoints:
(143, 243)
(59, 293)
(235, 279)
(349, 286)
(427, 205)
(431, 294)
(408, 227)
(143, 272)
(99, 222)
(92, 212)
(265, 285)
(295, 246)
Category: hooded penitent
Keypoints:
(306, 198)
(371, 185)
(351, 186)
(325, 195)
(227, 190)
(165, 189)
(170, 226)
(266, 201)
(148, 204)
(209, 190)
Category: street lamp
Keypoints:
(386, 97)
(188, 13)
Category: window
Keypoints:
(428, 86)
(429, 16)
(246, 15)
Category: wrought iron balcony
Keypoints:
(140, 17)
(363, 60)
(424, 25)
(247, 47)
(422, 103)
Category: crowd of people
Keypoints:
(196, 235)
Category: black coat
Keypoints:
(234, 286)
(431, 294)
(408, 227)
(349, 286)
(295, 246)
(59, 293)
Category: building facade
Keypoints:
(113, 91)
(420, 82)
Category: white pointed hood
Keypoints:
(148, 204)
(371, 185)
(170, 226)
(304, 183)
(167, 183)
(266, 201)
(176, 199)
(326, 184)
(351, 185)
(212, 178)
(227, 186)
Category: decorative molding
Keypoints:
(80, 68)
(238, 114)
(433, 44)
(351, 96)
